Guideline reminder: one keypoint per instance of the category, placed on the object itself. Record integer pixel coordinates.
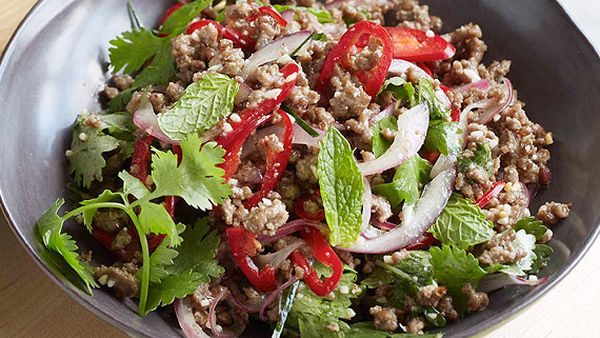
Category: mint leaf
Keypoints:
(532, 226)
(198, 179)
(342, 188)
(49, 227)
(481, 158)
(542, 254)
(462, 223)
(195, 264)
(408, 181)
(367, 329)
(379, 143)
(322, 15)
(200, 107)
(454, 267)
(87, 147)
(179, 20)
(132, 49)
(427, 95)
(443, 137)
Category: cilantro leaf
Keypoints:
(532, 226)
(200, 107)
(49, 227)
(154, 218)
(133, 186)
(195, 264)
(408, 181)
(367, 329)
(197, 179)
(132, 49)
(379, 143)
(481, 158)
(402, 90)
(454, 267)
(342, 188)
(161, 258)
(88, 215)
(179, 20)
(322, 15)
(442, 136)
(542, 253)
(85, 156)
(311, 313)
(462, 223)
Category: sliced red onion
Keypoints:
(242, 94)
(481, 84)
(355, 3)
(401, 67)
(500, 280)
(302, 137)
(492, 111)
(386, 112)
(429, 207)
(290, 228)
(274, 50)
(333, 29)
(275, 259)
(386, 226)
(145, 119)
(412, 129)
(252, 306)
(216, 329)
(273, 295)
(288, 15)
(367, 203)
(186, 319)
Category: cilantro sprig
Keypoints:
(198, 180)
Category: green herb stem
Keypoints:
(303, 124)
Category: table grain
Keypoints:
(32, 306)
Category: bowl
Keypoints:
(56, 63)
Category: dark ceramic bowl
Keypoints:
(57, 62)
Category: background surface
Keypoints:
(32, 306)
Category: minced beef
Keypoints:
(500, 250)
(121, 278)
(476, 301)
(552, 212)
(384, 318)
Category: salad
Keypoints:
(337, 169)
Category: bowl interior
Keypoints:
(57, 63)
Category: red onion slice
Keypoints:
(276, 258)
(481, 84)
(274, 50)
(186, 319)
(242, 94)
(288, 15)
(500, 280)
(489, 113)
(273, 295)
(355, 3)
(386, 112)
(412, 129)
(302, 137)
(216, 329)
(145, 119)
(367, 203)
(290, 228)
(429, 207)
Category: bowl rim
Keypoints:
(85, 300)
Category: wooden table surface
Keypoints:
(32, 306)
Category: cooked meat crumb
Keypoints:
(384, 318)
(552, 212)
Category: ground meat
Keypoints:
(349, 99)
(111, 220)
(122, 239)
(267, 81)
(552, 212)
(430, 295)
(415, 325)
(204, 49)
(381, 208)
(501, 250)
(496, 71)
(122, 82)
(476, 301)
(267, 216)
(302, 97)
(306, 168)
(174, 91)
(446, 307)
(384, 319)
(287, 187)
(159, 102)
(120, 278)
(468, 43)
(412, 15)
(110, 92)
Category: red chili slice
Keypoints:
(490, 194)
(415, 45)
(224, 32)
(169, 12)
(427, 70)
(431, 156)
(301, 211)
(140, 159)
(276, 162)
(324, 254)
(358, 36)
(270, 11)
(425, 241)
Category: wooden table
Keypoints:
(32, 306)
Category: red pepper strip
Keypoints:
(455, 115)
(243, 245)
(105, 238)
(270, 11)
(425, 241)
(224, 32)
(324, 254)
(431, 156)
(141, 158)
(423, 66)
(301, 211)
(490, 194)
(276, 162)
(415, 45)
(357, 36)
(169, 12)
